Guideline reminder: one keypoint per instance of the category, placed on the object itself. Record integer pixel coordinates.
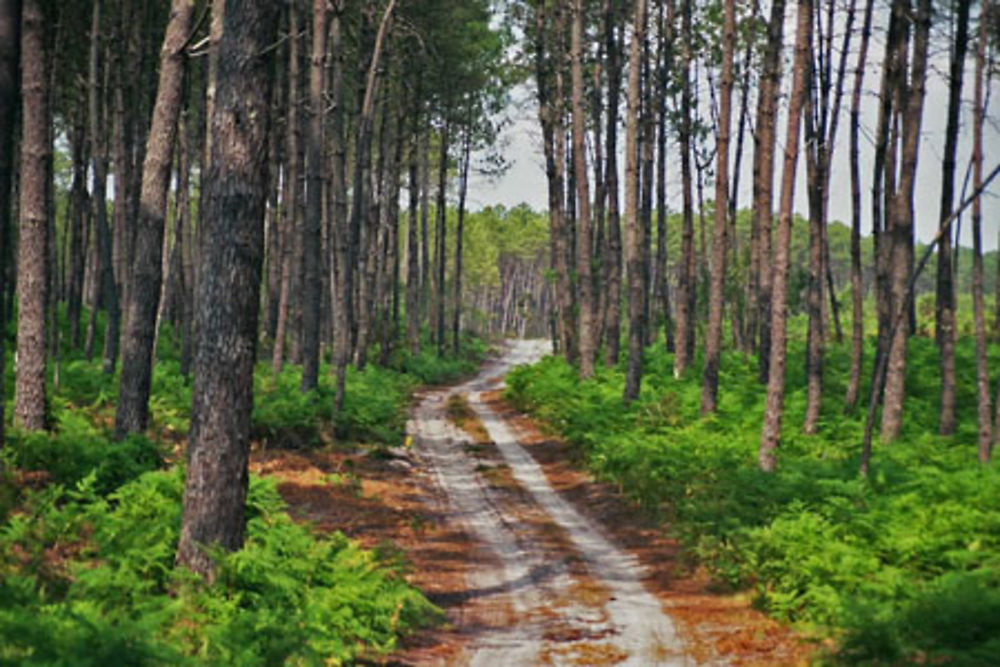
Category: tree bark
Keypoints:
(463, 189)
(78, 218)
(338, 172)
(613, 253)
(901, 216)
(31, 401)
(665, 65)
(228, 299)
(413, 232)
(312, 292)
(583, 245)
(945, 292)
(290, 198)
(857, 285)
(986, 436)
(686, 289)
(10, 26)
(633, 237)
(763, 188)
(713, 340)
(774, 411)
(440, 248)
(105, 269)
(144, 297)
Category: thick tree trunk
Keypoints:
(857, 285)
(633, 237)
(10, 25)
(583, 245)
(31, 403)
(228, 292)
(686, 289)
(945, 301)
(774, 411)
(763, 188)
(717, 287)
(144, 298)
(463, 189)
(312, 292)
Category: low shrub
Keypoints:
(89, 580)
(817, 544)
(76, 448)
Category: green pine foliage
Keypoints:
(866, 561)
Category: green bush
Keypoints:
(98, 573)
(76, 449)
(819, 545)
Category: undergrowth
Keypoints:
(89, 528)
(902, 566)
(89, 580)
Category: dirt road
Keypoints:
(548, 586)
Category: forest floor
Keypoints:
(533, 561)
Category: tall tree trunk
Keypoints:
(78, 218)
(633, 237)
(665, 65)
(104, 268)
(31, 403)
(598, 243)
(144, 297)
(10, 25)
(613, 256)
(312, 292)
(583, 247)
(413, 232)
(902, 216)
(945, 296)
(763, 187)
(290, 198)
(815, 142)
(463, 189)
(272, 228)
(647, 143)
(360, 198)
(338, 173)
(986, 438)
(686, 289)
(717, 287)
(228, 299)
(774, 411)
(440, 248)
(883, 183)
(857, 285)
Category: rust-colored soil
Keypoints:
(393, 503)
(381, 503)
(717, 625)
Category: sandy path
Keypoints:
(548, 586)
